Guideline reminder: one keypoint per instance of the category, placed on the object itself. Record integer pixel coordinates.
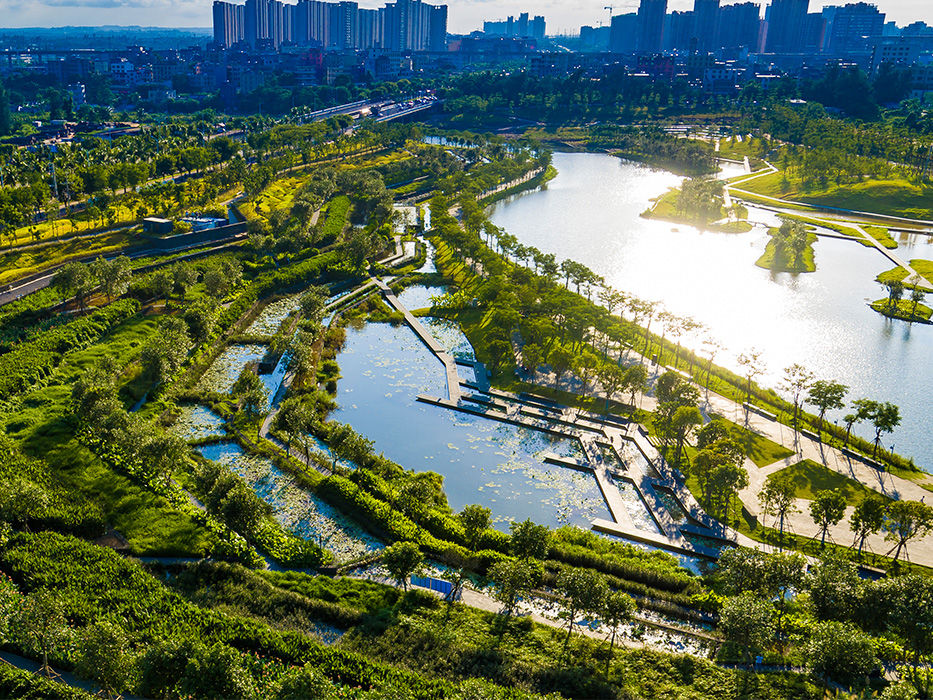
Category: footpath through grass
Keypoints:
(891, 197)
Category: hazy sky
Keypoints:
(465, 15)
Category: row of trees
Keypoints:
(901, 521)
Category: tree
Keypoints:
(826, 395)
(885, 418)
(200, 318)
(251, 392)
(797, 379)
(114, 275)
(75, 279)
(752, 365)
(168, 349)
(684, 420)
(917, 295)
(777, 498)
(636, 378)
(618, 609)
(313, 303)
(103, 655)
(867, 519)
(475, 521)
(529, 541)
(747, 621)
(402, 560)
(895, 290)
(906, 521)
(184, 276)
(842, 651)
(835, 588)
(827, 509)
(40, 625)
(347, 444)
(912, 615)
(583, 590)
(512, 580)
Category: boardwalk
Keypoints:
(450, 364)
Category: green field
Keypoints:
(923, 267)
(904, 310)
(809, 478)
(889, 197)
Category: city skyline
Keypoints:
(464, 15)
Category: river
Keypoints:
(590, 213)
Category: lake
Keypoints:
(590, 213)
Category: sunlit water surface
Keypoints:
(590, 213)
(482, 461)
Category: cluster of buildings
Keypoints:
(721, 45)
(405, 25)
(522, 28)
(788, 31)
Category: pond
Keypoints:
(483, 461)
(271, 317)
(197, 423)
(297, 510)
(429, 266)
(223, 372)
(590, 213)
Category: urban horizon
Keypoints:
(464, 17)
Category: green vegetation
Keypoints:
(903, 310)
(790, 249)
(924, 268)
(810, 478)
(891, 197)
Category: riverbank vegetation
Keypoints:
(790, 248)
(700, 202)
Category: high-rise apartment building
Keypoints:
(706, 25)
(851, 28)
(651, 25)
(623, 33)
(406, 25)
(787, 26)
(228, 24)
(740, 26)
(523, 27)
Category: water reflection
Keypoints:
(482, 461)
(590, 213)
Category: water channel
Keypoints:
(590, 213)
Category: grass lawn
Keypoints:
(43, 427)
(903, 311)
(56, 228)
(895, 197)
(923, 267)
(809, 478)
(337, 211)
(666, 210)
(784, 262)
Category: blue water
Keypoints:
(297, 510)
(497, 465)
